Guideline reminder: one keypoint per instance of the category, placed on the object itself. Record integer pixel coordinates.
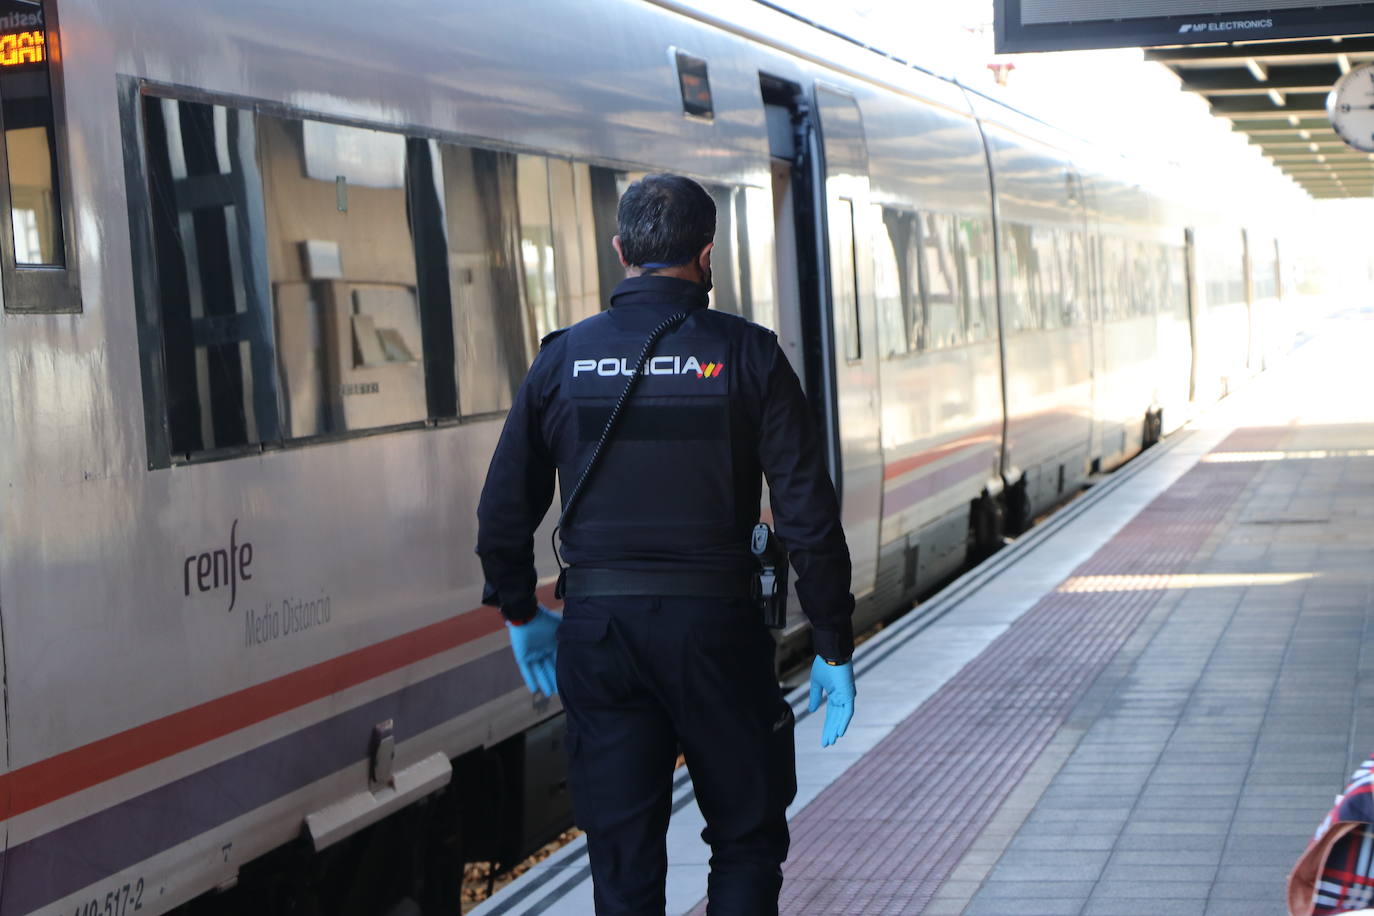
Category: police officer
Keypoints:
(660, 646)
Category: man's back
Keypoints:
(678, 485)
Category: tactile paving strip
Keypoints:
(884, 836)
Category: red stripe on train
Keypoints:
(907, 465)
(56, 777)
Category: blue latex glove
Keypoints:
(837, 683)
(536, 648)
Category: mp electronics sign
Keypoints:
(1065, 25)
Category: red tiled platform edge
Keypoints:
(887, 833)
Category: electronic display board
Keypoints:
(1063, 25)
(23, 43)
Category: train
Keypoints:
(271, 274)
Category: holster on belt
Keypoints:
(770, 586)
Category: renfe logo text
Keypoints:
(220, 567)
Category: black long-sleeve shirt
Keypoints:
(679, 486)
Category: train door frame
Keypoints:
(808, 332)
(1009, 473)
(854, 401)
(788, 120)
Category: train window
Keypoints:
(1224, 269)
(1209, 275)
(977, 275)
(725, 292)
(899, 321)
(742, 259)
(1046, 277)
(1073, 296)
(607, 186)
(1103, 281)
(757, 262)
(429, 234)
(940, 270)
(1017, 254)
(1142, 281)
(344, 285)
(605, 198)
(309, 279)
(574, 239)
(1277, 265)
(1137, 280)
(36, 238)
(1150, 267)
(1110, 275)
(1176, 280)
(844, 274)
(888, 252)
(492, 341)
(217, 371)
(1125, 272)
(536, 244)
(1265, 272)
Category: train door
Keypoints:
(1091, 277)
(826, 319)
(848, 301)
(788, 123)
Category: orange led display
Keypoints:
(19, 48)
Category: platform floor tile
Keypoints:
(1146, 712)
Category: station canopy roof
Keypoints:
(1275, 92)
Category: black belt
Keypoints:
(605, 583)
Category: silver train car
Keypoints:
(271, 274)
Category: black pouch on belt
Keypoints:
(770, 587)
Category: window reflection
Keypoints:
(486, 264)
(977, 275)
(725, 294)
(891, 287)
(757, 261)
(843, 276)
(216, 354)
(343, 276)
(536, 246)
(944, 320)
(574, 240)
(26, 105)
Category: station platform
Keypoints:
(1143, 706)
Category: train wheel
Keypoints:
(986, 526)
(1018, 507)
(1154, 428)
(442, 891)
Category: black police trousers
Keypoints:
(641, 678)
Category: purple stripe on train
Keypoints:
(976, 467)
(58, 863)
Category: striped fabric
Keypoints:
(1345, 882)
